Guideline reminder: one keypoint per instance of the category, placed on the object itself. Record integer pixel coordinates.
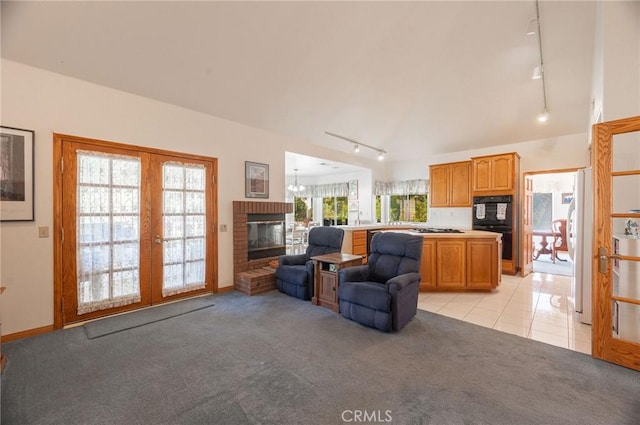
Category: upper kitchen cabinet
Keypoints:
(450, 184)
(495, 173)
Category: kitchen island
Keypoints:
(466, 261)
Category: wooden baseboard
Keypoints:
(27, 333)
(225, 289)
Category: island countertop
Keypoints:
(407, 228)
(465, 234)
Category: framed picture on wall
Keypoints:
(353, 189)
(256, 180)
(16, 174)
(567, 198)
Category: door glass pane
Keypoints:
(108, 231)
(184, 234)
(625, 229)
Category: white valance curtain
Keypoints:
(321, 191)
(406, 187)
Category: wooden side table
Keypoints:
(326, 280)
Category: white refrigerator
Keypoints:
(579, 227)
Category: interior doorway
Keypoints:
(552, 196)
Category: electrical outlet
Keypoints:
(43, 232)
(223, 227)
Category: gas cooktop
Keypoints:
(435, 230)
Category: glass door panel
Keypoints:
(182, 226)
(102, 234)
(184, 233)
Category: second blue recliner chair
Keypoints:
(383, 294)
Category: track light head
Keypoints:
(356, 148)
(531, 26)
(543, 116)
(380, 155)
(537, 73)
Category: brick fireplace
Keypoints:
(241, 262)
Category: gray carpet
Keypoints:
(273, 359)
(139, 318)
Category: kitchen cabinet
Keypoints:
(450, 184)
(450, 264)
(495, 173)
(482, 256)
(428, 265)
(359, 244)
(460, 263)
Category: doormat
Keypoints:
(123, 322)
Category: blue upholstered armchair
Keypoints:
(294, 275)
(383, 294)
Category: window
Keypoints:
(335, 210)
(303, 209)
(410, 208)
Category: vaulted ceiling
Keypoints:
(413, 78)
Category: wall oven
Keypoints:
(494, 214)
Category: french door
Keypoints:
(616, 263)
(136, 227)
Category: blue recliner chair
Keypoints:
(294, 275)
(383, 294)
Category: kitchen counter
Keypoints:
(466, 261)
(466, 234)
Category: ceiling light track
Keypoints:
(538, 72)
(357, 145)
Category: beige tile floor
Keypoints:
(538, 306)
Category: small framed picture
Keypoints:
(256, 180)
(567, 198)
(353, 189)
(16, 174)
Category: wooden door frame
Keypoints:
(523, 206)
(603, 345)
(58, 237)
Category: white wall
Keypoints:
(538, 155)
(47, 102)
(620, 59)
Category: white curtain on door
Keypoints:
(184, 227)
(108, 231)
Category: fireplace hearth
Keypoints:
(258, 238)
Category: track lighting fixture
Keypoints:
(295, 187)
(356, 145)
(538, 72)
(531, 27)
(543, 116)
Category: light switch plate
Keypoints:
(43, 231)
